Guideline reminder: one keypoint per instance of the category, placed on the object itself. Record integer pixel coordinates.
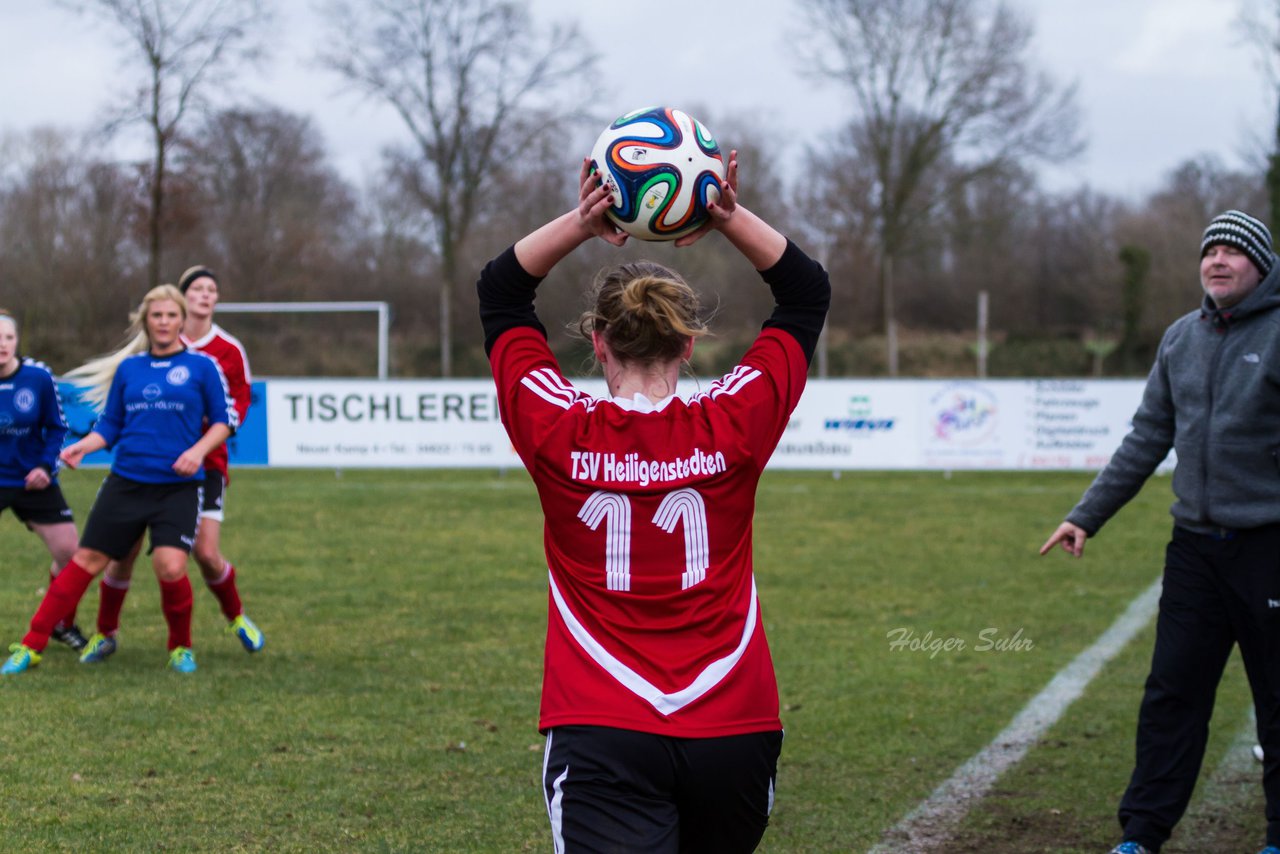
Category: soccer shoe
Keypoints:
(1258, 755)
(23, 659)
(250, 636)
(98, 648)
(71, 636)
(1130, 848)
(182, 659)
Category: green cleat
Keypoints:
(98, 648)
(182, 659)
(23, 659)
(250, 636)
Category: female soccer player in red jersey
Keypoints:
(659, 701)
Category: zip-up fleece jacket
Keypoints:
(1213, 396)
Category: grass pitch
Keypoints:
(394, 707)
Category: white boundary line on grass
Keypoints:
(1222, 791)
(928, 827)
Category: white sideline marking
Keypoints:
(928, 827)
(1222, 790)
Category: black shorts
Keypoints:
(125, 509)
(215, 488)
(36, 506)
(612, 789)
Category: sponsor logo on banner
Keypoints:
(860, 418)
(963, 414)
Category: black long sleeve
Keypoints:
(802, 293)
(800, 286)
(505, 291)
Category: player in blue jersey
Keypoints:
(155, 408)
(32, 428)
(199, 285)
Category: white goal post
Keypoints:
(383, 310)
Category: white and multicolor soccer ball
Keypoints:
(664, 167)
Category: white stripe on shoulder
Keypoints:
(234, 342)
(554, 389)
(36, 363)
(554, 381)
(731, 383)
(57, 395)
(233, 414)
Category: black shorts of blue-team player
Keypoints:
(125, 509)
(45, 506)
(610, 789)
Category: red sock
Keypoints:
(70, 619)
(61, 599)
(111, 593)
(175, 601)
(228, 597)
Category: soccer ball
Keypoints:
(664, 167)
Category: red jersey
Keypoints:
(229, 353)
(653, 619)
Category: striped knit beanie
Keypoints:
(1242, 231)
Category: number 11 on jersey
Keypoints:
(682, 508)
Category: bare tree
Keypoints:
(1169, 225)
(473, 82)
(187, 48)
(270, 211)
(934, 82)
(67, 254)
(844, 239)
(1259, 25)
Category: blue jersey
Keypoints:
(158, 407)
(31, 423)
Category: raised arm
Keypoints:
(800, 286)
(541, 250)
(758, 241)
(507, 284)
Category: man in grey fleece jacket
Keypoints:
(1213, 396)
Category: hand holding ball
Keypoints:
(664, 167)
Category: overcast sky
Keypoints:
(1159, 81)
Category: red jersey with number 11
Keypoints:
(653, 620)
